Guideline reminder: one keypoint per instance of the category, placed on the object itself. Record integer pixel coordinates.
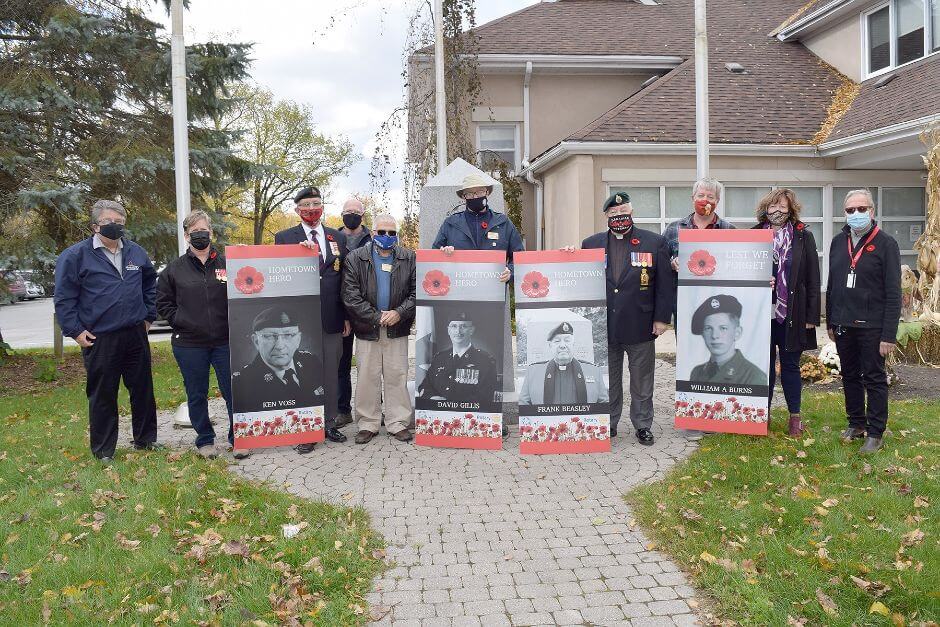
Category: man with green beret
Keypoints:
(279, 373)
(562, 380)
(718, 321)
(640, 293)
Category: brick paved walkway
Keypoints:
(495, 538)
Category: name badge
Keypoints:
(850, 280)
(386, 267)
(221, 275)
(334, 248)
(131, 267)
(492, 235)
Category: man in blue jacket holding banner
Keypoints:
(105, 299)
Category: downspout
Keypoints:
(527, 154)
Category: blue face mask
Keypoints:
(858, 221)
(385, 242)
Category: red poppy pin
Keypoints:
(701, 263)
(800, 226)
(329, 236)
(635, 241)
(484, 225)
(870, 248)
(212, 255)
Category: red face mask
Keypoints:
(703, 207)
(311, 216)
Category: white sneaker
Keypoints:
(208, 451)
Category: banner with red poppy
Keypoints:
(561, 352)
(276, 345)
(460, 321)
(724, 311)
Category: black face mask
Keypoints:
(477, 205)
(352, 220)
(112, 230)
(620, 224)
(200, 239)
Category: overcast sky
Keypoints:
(347, 69)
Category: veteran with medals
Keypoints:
(462, 372)
(562, 380)
(640, 293)
(279, 373)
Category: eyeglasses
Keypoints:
(391, 232)
(851, 210)
(480, 193)
(274, 337)
(310, 205)
(103, 222)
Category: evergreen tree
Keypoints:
(85, 113)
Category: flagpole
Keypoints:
(439, 90)
(701, 92)
(180, 119)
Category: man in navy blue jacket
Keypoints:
(331, 246)
(105, 299)
(640, 292)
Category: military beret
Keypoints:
(564, 327)
(620, 198)
(720, 303)
(459, 315)
(307, 192)
(273, 318)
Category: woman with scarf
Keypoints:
(795, 295)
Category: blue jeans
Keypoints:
(194, 363)
(789, 367)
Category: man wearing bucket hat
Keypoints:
(478, 227)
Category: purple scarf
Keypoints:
(783, 247)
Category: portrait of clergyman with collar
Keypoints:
(280, 375)
(563, 379)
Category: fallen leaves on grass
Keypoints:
(826, 603)
(125, 543)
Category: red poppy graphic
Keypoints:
(870, 248)
(701, 263)
(535, 284)
(436, 283)
(330, 237)
(484, 225)
(249, 281)
(635, 241)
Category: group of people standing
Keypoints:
(108, 293)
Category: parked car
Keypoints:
(14, 287)
(34, 290)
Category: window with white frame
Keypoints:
(898, 32)
(498, 142)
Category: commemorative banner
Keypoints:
(460, 321)
(276, 342)
(561, 352)
(723, 330)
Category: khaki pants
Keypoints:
(385, 360)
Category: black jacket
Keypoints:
(192, 298)
(875, 301)
(804, 284)
(360, 292)
(332, 312)
(631, 306)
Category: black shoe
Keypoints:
(505, 431)
(613, 432)
(343, 418)
(150, 446)
(304, 448)
(335, 435)
(644, 437)
(106, 461)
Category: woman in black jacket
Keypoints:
(191, 296)
(796, 295)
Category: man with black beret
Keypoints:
(461, 372)
(279, 372)
(330, 245)
(640, 293)
(718, 321)
(563, 379)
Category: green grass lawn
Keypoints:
(779, 531)
(161, 537)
